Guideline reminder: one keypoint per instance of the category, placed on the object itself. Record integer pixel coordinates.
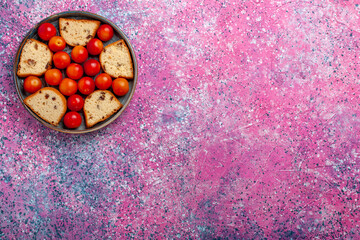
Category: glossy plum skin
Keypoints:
(72, 120)
(86, 85)
(75, 102)
(46, 31)
(105, 32)
(91, 67)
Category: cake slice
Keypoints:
(99, 106)
(35, 59)
(115, 60)
(48, 103)
(78, 32)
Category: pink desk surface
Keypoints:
(244, 124)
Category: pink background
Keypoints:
(244, 124)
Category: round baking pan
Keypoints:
(54, 19)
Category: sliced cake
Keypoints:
(99, 106)
(35, 59)
(48, 103)
(115, 60)
(78, 32)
